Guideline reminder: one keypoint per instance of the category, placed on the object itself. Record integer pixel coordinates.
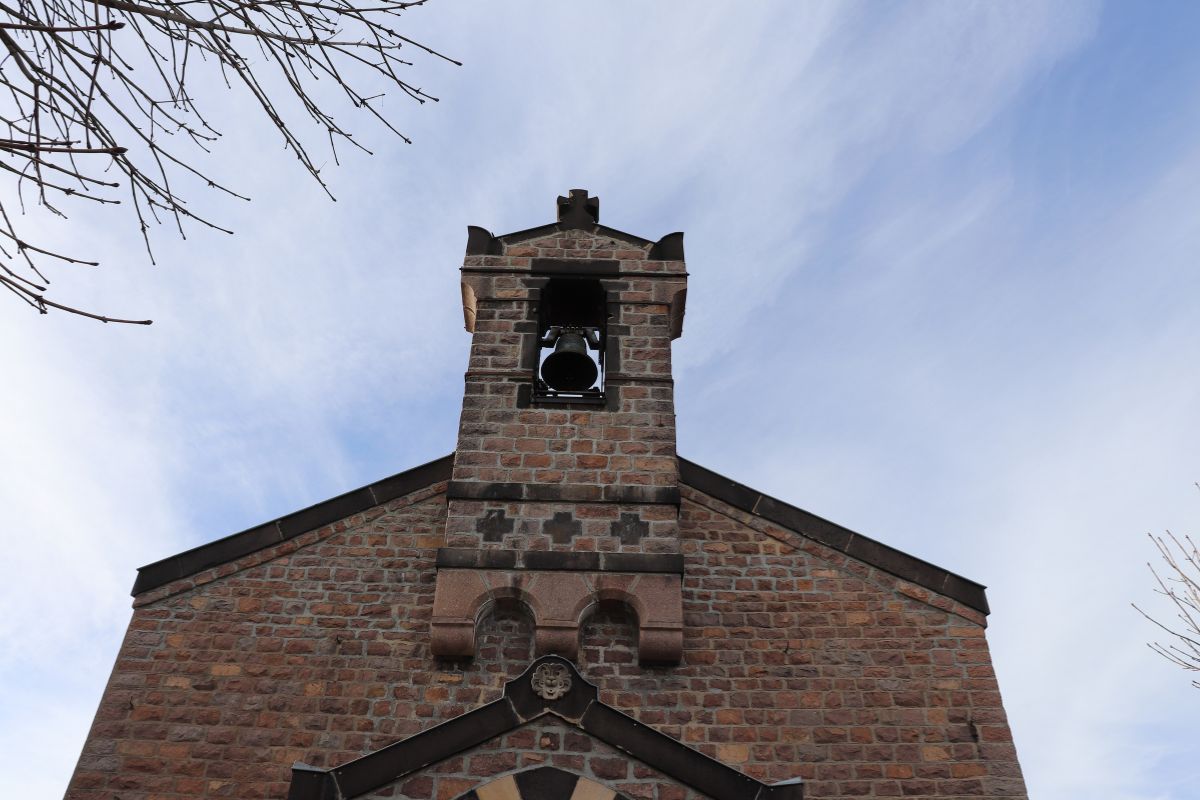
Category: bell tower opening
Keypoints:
(572, 335)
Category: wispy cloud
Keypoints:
(935, 352)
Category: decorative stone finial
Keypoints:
(578, 212)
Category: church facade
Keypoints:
(561, 609)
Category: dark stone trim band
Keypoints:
(557, 560)
(669, 756)
(830, 534)
(609, 401)
(877, 554)
(497, 269)
(579, 707)
(575, 267)
(639, 379)
(287, 527)
(406, 756)
(557, 493)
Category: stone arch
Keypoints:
(505, 596)
(542, 783)
(558, 600)
(608, 637)
(464, 598)
(620, 594)
(505, 632)
(650, 599)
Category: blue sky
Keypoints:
(944, 291)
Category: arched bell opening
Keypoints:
(572, 337)
(542, 783)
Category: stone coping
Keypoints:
(830, 534)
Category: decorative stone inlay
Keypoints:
(494, 525)
(630, 528)
(551, 681)
(563, 528)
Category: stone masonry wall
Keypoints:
(797, 661)
(571, 462)
(545, 742)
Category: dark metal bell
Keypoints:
(569, 368)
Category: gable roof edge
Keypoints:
(289, 526)
(482, 242)
(834, 536)
(516, 237)
(744, 498)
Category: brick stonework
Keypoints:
(567, 530)
(579, 451)
(573, 478)
(797, 661)
(542, 743)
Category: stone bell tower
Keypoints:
(312, 656)
(564, 492)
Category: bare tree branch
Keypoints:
(1180, 583)
(92, 87)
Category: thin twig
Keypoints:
(71, 92)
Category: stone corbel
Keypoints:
(558, 603)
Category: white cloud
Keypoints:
(1009, 401)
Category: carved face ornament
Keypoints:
(551, 681)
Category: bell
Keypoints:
(569, 368)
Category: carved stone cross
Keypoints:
(563, 528)
(578, 212)
(494, 525)
(630, 528)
